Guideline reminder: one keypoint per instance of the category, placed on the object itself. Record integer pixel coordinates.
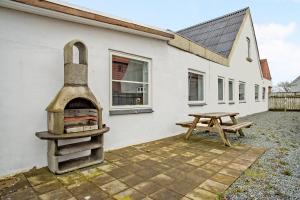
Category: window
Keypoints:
(263, 93)
(230, 90)
(242, 91)
(196, 86)
(220, 89)
(130, 81)
(256, 92)
(249, 49)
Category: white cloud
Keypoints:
(275, 43)
(276, 31)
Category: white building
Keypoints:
(296, 85)
(213, 66)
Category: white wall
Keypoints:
(249, 72)
(31, 74)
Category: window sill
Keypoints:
(230, 103)
(257, 101)
(197, 104)
(249, 59)
(222, 102)
(242, 102)
(130, 111)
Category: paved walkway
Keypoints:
(167, 169)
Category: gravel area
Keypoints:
(276, 174)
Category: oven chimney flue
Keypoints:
(75, 71)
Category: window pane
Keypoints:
(230, 91)
(129, 93)
(196, 87)
(248, 46)
(220, 89)
(263, 92)
(127, 69)
(242, 91)
(256, 92)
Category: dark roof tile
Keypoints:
(218, 34)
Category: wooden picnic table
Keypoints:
(215, 124)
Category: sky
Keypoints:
(276, 22)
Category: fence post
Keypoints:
(285, 102)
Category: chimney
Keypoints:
(75, 73)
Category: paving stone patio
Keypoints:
(167, 169)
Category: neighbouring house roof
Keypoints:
(64, 8)
(296, 80)
(265, 69)
(217, 34)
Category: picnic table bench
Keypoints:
(212, 122)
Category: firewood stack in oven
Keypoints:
(77, 120)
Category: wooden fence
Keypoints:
(287, 101)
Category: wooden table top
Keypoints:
(214, 114)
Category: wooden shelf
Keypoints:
(77, 147)
(49, 136)
(77, 163)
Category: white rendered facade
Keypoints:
(31, 74)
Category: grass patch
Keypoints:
(255, 173)
(293, 145)
(269, 186)
(220, 196)
(281, 162)
(287, 173)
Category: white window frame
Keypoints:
(134, 57)
(204, 86)
(233, 93)
(256, 85)
(223, 79)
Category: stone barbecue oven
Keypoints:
(74, 113)
(74, 108)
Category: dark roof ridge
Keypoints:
(217, 18)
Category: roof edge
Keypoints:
(220, 17)
(187, 45)
(70, 10)
(248, 13)
(238, 35)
